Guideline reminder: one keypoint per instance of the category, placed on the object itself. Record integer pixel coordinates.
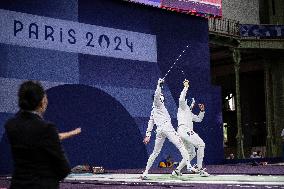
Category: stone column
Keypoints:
(278, 102)
(269, 108)
(239, 137)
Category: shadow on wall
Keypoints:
(109, 138)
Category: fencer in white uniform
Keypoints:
(190, 139)
(161, 118)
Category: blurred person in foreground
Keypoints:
(39, 159)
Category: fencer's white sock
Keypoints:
(145, 173)
(199, 163)
(181, 165)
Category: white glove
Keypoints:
(160, 81)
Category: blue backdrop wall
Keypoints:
(110, 95)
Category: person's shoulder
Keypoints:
(40, 123)
(50, 127)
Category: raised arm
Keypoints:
(200, 116)
(157, 101)
(182, 101)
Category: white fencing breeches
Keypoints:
(191, 141)
(160, 139)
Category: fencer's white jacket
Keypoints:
(185, 116)
(159, 115)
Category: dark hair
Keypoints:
(30, 95)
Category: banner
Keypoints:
(264, 31)
(203, 8)
(211, 2)
(155, 3)
(197, 7)
(55, 34)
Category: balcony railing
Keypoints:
(247, 31)
(224, 26)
